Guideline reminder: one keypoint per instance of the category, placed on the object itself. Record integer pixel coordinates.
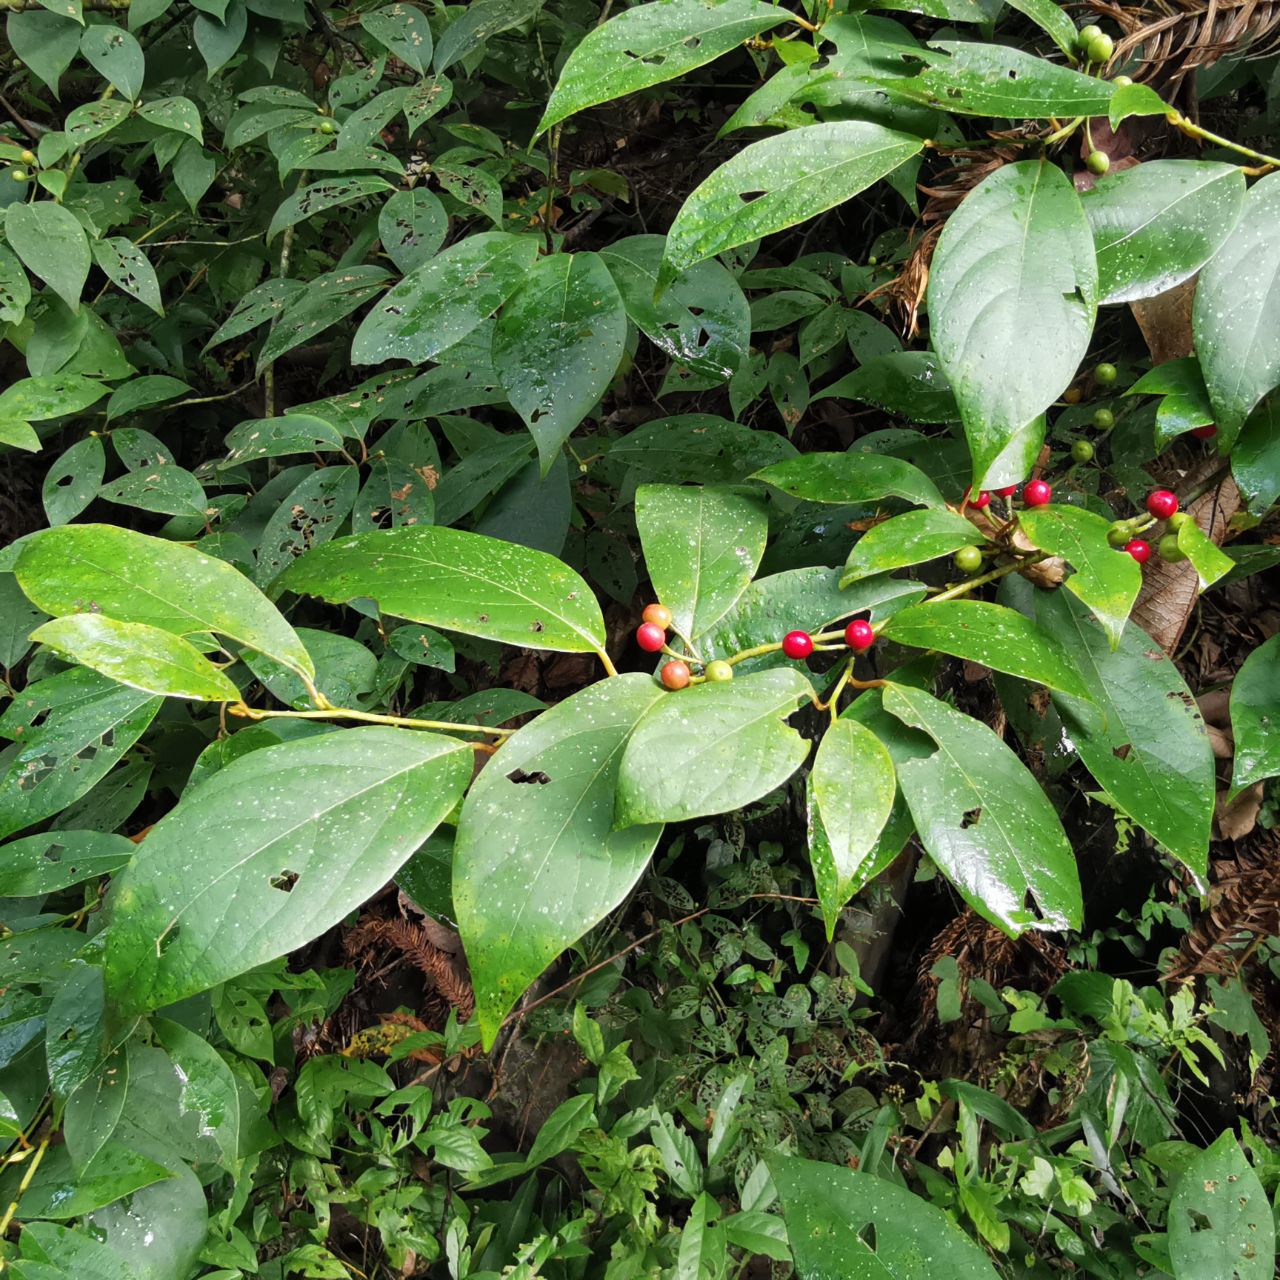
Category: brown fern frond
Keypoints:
(411, 940)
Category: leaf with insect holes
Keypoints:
(269, 852)
(52, 245)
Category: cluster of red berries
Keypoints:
(1035, 493)
(651, 636)
(859, 635)
(1162, 504)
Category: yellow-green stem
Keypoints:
(365, 717)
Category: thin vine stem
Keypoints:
(245, 712)
(1192, 130)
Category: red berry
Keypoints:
(1036, 493)
(675, 675)
(658, 614)
(980, 500)
(1161, 503)
(1008, 491)
(859, 636)
(1205, 433)
(650, 637)
(797, 644)
(1138, 549)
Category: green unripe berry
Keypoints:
(968, 559)
(1169, 549)
(327, 126)
(1104, 419)
(718, 671)
(1178, 519)
(1122, 82)
(1097, 162)
(28, 157)
(19, 175)
(1118, 534)
(1100, 48)
(1105, 374)
(1082, 451)
(1091, 32)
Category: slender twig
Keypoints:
(1192, 130)
(365, 717)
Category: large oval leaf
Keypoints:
(1236, 314)
(984, 819)
(779, 181)
(459, 581)
(990, 634)
(911, 538)
(443, 300)
(537, 862)
(908, 383)
(1014, 271)
(652, 43)
(851, 478)
(52, 244)
(557, 345)
(134, 578)
(702, 546)
(712, 748)
(1255, 715)
(1157, 224)
(269, 852)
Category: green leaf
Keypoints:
(1236, 315)
(74, 1252)
(1185, 404)
(851, 478)
(1255, 715)
(1053, 20)
(910, 384)
(1014, 270)
(68, 731)
(19, 435)
(330, 193)
(712, 748)
(15, 288)
(780, 181)
(137, 655)
(170, 490)
(72, 482)
(1156, 224)
(116, 56)
(443, 300)
(53, 395)
(1255, 459)
(1106, 578)
(851, 791)
(557, 345)
(135, 578)
(127, 266)
(178, 114)
(458, 581)
(61, 1192)
(475, 24)
(996, 80)
(144, 393)
(702, 546)
(279, 437)
(1220, 1223)
(58, 859)
(702, 321)
(403, 31)
(1204, 555)
(911, 538)
(984, 819)
(18, 617)
(281, 843)
(1141, 737)
(310, 515)
(93, 119)
(537, 862)
(845, 1223)
(649, 44)
(52, 244)
(990, 634)
(209, 1089)
(326, 300)
(77, 1043)
(698, 447)
(46, 43)
(412, 226)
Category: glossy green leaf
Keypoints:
(15, 288)
(269, 852)
(72, 482)
(209, 1089)
(52, 395)
(257, 307)
(1185, 399)
(460, 582)
(1255, 459)
(326, 300)
(329, 193)
(312, 512)
(279, 437)
(137, 655)
(19, 435)
(698, 447)
(219, 40)
(47, 43)
(1221, 1226)
(60, 1192)
(144, 393)
(851, 478)
(77, 1041)
(537, 861)
(911, 538)
(94, 119)
(181, 115)
(1236, 315)
(1051, 19)
(984, 819)
(135, 578)
(702, 546)
(851, 791)
(778, 182)
(910, 384)
(1142, 736)
(1204, 555)
(403, 30)
(18, 618)
(443, 300)
(652, 43)
(412, 227)
(116, 56)
(852, 1225)
(46, 863)
(1156, 224)
(68, 731)
(52, 245)
(172, 491)
(702, 321)
(476, 23)
(1106, 579)
(557, 345)
(1014, 270)
(712, 747)
(71, 1253)
(990, 634)
(997, 80)
(1255, 715)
